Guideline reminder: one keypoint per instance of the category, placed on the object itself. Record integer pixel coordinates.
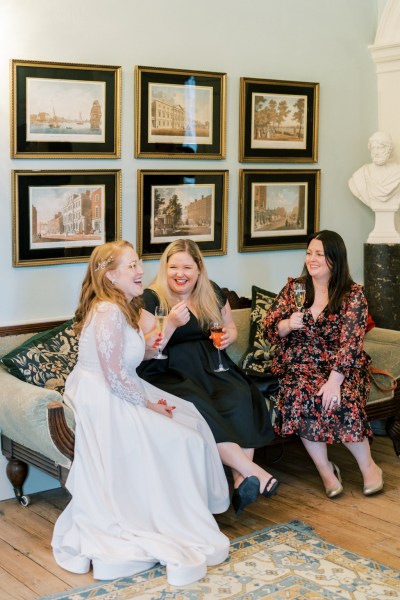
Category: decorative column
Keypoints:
(382, 260)
(382, 283)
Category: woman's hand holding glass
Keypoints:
(216, 336)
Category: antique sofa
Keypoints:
(38, 429)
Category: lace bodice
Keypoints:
(108, 344)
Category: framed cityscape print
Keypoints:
(278, 209)
(60, 216)
(181, 204)
(278, 121)
(63, 110)
(179, 114)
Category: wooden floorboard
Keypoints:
(368, 526)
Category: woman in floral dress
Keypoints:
(321, 364)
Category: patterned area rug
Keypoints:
(286, 561)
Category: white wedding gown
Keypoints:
(143, 486)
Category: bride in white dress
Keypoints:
(146, 477)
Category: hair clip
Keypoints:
(104, 263)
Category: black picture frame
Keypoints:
(60, 216)
(55, 95)
(179, 113)
(197, 209)
(278, 208)
(278, 121)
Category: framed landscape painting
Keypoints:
(60, 216)
(278, 209)
(278, 121)
(181, 204)
(179, 114)
(62, 110)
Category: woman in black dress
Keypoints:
(231, 404)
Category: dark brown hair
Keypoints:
(340, 281)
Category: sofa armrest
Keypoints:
(23, 416)
(62, 435)
(383, 346)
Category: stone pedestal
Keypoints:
(382, 283)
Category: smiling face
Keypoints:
(182, 274)
(316, 263)
(128, 276)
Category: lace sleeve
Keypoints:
(109, 330)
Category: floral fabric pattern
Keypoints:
(258, 357)
(46, 359)
(303, 361)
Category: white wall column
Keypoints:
(385, 53)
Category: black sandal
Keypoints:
(268, 493)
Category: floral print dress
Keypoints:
(304, 360)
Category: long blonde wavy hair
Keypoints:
(96, 286)
(202, 298)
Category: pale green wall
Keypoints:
(321, 41)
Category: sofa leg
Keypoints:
(17, 472)
(393, 431)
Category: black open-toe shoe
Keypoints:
(270, 491)
(245, 494)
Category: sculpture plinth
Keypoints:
(382, 283)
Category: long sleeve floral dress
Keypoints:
(304, 360)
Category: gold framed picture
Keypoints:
(65, 110)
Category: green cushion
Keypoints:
(46, 359)
(258, 357)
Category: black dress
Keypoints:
(231, 404)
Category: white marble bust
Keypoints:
(377, 184)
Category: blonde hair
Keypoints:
(202, 298)
(97, 287)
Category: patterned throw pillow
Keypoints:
(46, 359)
(258, 357)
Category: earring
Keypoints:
(114, 281)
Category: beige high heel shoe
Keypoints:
(335, 491)
(377, 487)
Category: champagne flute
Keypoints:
(299, 291)
(216, 334)
(160, 314)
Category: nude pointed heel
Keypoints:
(333, 492)
(377, 487)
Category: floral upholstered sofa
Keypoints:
(38, 429)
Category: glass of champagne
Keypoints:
(216, 333)
(299, 291)
(160, 314)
